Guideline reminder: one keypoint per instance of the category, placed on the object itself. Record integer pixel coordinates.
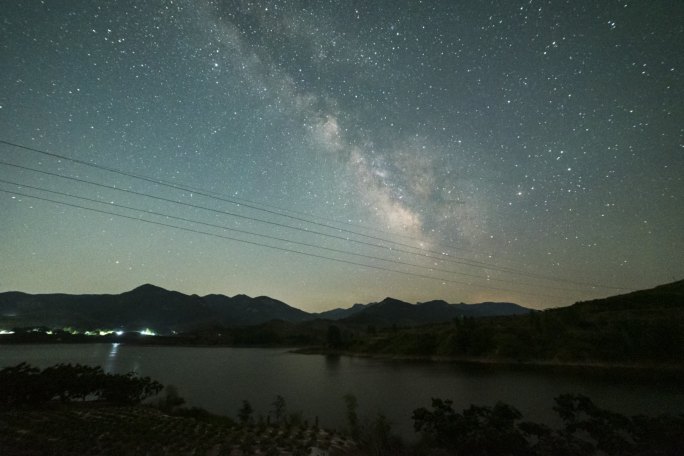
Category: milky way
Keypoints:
(327, 153)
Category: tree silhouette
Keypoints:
(279, 409)
(27, 385)
(334, 337)
(245, 412)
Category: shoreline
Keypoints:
(485, 362)
(664, 369)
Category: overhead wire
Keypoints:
(204, 193)
(283, 249)
(434, 254)
(251, 233)
(462, 262)
(440, 256)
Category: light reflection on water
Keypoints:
(111, 358)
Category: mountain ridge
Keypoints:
(165, 310)
(392, 311)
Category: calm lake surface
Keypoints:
(218, 379)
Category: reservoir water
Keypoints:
(219, 379)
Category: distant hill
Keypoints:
(150, 306)
(394, 312)
(339, 314)
(147, 306)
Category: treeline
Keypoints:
(585, 332)
(574, 334)
(25, 385)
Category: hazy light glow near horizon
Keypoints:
(538, 144)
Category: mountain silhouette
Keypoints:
(147, 306)
(391, 311)
(165, 311)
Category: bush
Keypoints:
(587, 430)
(24, 385)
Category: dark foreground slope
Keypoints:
(102, 429)
(77, 409)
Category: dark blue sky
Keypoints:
(538, 144)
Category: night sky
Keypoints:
(529, 151)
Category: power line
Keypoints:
(440, 255)
(330, 249)
(232, 214)
(192, 230)
(462, 262)
(204, 193)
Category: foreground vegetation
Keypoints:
(72, 410)
(144, 430)
(587, 430)
(75, 410)
(24, 385)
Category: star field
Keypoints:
(328, 153)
